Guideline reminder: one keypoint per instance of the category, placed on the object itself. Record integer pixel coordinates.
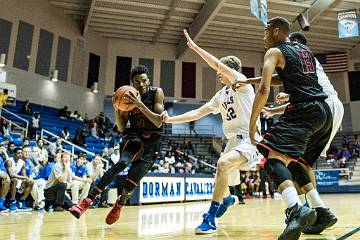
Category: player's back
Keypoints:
(299, 74)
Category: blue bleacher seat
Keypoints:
(32, 143)
(18, 142)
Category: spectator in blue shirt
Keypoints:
(37, 191)
(79, 170)
(45, 171)
(4, 180)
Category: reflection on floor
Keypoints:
(258, 219)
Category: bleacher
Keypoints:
(54, 124)
(48, 115)
(202, 145)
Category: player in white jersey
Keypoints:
(325, 218)
(235, 109)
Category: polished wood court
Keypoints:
(259, 219)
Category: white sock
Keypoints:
(290, 197)
(315, 199)
(302, 198)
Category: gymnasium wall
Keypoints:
(161, 52)
(42, 91)
(60, 26)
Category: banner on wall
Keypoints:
(348, 24)
(197, 188)
(254, 7)
(162, 189)
(327, 177)
(264, 16)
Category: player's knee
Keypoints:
(222, 165)
(120, 165)
(299, 174)
(277, 171)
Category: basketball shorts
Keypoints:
(301, 133)
(141, 149)
(248, 150)
(337, 110)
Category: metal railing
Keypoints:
(24, 129)
(181, 129)
(196, 159)
(73, 146)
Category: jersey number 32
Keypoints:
(230, 114)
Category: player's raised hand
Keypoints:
(282, 98)
(165, 116)
(267, 112)
(238, 84)
(131, 98)
(190, 42)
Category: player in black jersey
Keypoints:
(141, 143)
(302, 131)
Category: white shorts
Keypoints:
(337, 110)
(249, 151)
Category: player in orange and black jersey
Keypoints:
(141, 143)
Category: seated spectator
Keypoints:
(15, 168)
(34, 125)
(115, 157)
(59, 180)
(170, 158)
(80, 138)
(39, 152)
(95, 170)
(80, 181)
(106, 154)
(26, 142)
(26, 108)
(65, 133)
(63, 112)
(10, 149)
(54, 146)
(75, 115)
(37, 191)
(6, 130)
(4, 181)
(93, 130)
(346, 154)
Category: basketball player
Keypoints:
(141, 142)
(325, 218)
(302, 131)
(235, 110)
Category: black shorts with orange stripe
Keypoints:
(301, 133)
(140, 148)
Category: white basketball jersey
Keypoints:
(235, 108)
(324, 80)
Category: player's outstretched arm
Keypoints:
(271, 60)
(275, 81)
(188, 116)
(211, 60)
(153, 116)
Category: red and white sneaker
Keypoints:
(80, 208)
(114, 214)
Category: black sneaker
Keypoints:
(297, 218)
(325, 219)
(59, 209)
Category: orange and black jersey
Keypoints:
(299, 74)
(138, 122)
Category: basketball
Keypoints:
(120, 101)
